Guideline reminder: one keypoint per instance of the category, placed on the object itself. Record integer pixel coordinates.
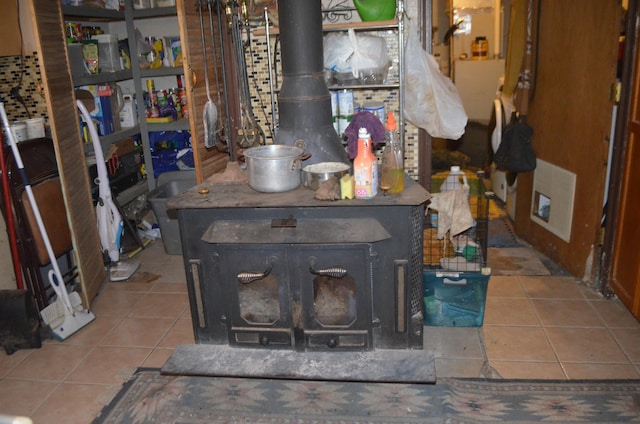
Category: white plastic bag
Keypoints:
(432, 102)
(337, 51)
(369, 53)
(358, 54)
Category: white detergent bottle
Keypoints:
(452, 182)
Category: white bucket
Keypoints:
(35, 127)
(377, 108)
(20, 131)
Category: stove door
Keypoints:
(335, 294)
(257, 289)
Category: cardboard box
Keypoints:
(125, 146)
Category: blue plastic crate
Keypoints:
(454, 299)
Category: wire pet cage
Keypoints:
(467, 201)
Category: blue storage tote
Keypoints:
(454, 299)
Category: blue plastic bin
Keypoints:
(454, 300)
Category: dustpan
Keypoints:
(66, 315)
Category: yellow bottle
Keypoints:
(365, 168)
(392, 176)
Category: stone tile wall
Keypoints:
(22, 72)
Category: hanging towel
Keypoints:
(454, 214)
(364, 119)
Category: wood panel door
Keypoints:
(625, 258)
(625, 277)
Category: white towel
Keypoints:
(454, 214)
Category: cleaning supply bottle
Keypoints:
(452, 182)
(392, 178)
(365, 168)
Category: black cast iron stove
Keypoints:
(283, 275)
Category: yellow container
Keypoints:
(480, 49)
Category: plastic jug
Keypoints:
(452, 182)
(376, 10)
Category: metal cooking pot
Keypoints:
(314, 175)
(274, 168)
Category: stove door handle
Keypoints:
(247, 277)
(332, 272)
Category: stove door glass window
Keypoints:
(334, 300)
(258, 284)
(259, 300)
(334, 286)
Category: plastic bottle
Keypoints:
(365, 168)
(392, 176)
(452, 182)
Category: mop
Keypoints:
(110, 225)
(66, 315)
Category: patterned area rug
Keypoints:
(150, 397)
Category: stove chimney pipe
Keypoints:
(304, 102)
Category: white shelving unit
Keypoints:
(396, 25)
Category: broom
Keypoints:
(65, 315)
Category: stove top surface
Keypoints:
(241, 195)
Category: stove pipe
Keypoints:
(304, 102)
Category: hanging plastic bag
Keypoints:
(432, 102)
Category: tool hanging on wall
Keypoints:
(274, 122)
(210, 112)
(225, 85)
(250, 133)
(220, 144)
(233, 174)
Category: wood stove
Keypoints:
(287, 271)
(282, 285)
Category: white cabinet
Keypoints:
(477, 82)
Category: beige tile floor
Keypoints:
(534, 327)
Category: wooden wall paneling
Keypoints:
(63, 117)
(10, 30)
(207, 160)
(571, 117)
